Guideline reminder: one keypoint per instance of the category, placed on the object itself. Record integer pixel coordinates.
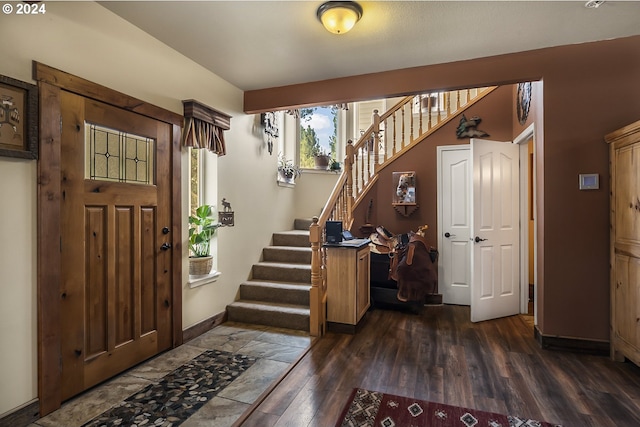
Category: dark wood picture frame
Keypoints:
(18, 118)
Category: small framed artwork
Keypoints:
(404, 188)
(18, 119)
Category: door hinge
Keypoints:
(60, 125)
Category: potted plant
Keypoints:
(322, 159)
(334, 165)
(202, 227)
(287, 171)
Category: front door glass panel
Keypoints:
(112, 155)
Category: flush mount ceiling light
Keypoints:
(338, 17)
(593, 4)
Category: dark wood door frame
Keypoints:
(51, 82)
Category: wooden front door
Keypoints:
(116, 264)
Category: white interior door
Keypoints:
(495, 260)
(454, 219)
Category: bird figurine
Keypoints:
(468, 128)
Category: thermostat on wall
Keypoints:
(589, 181)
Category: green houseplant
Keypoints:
(202, 227)
(287, 170)
(334, 165)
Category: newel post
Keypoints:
(348, 169)
(317, 315)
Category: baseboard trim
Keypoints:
(22, 416)
(204, 326)
(575, 345)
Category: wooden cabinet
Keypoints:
(347, 284)
(625, 242)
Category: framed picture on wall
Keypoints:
(18, 119)
(404, 188)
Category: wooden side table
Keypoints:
(347, 285)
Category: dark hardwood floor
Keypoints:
(439, 355)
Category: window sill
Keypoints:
(320, 171)
(196, 281)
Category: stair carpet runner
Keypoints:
(278, 292)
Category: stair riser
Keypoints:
(268, 318)
(263, 272)
(301, 240)
(270, 294)
(284, 255)
(302, 224)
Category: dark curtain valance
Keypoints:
(204, 127)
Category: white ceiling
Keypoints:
(261, 44)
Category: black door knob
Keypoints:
(478, 239)
(447, 234)
(165, 230)
(165, 246)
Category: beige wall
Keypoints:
(312, 192)
(85, 39)
(18, 380)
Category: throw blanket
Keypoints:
(415, 272)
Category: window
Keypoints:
(195, 179)
(318, 133)
(436, 101)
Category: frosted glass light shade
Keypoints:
(338, 17)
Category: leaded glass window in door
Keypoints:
(112, 155)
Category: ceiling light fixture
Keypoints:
(593, 4)
(338, 17)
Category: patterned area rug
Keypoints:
(372, 408)
(179, 394)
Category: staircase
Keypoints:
(278, 292)
(391, 135)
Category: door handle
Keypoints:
(447, 235)
(478, 239)
(165, 246)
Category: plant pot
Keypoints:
(322, 162)
(200, 266)
(284, 178)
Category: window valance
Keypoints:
(204, 127)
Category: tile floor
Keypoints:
(275, 350)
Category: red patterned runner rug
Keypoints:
(372, 408)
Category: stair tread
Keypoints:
(277, 283)
(271, 306)
(291, 248)
(299, 265)
(295, 232)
